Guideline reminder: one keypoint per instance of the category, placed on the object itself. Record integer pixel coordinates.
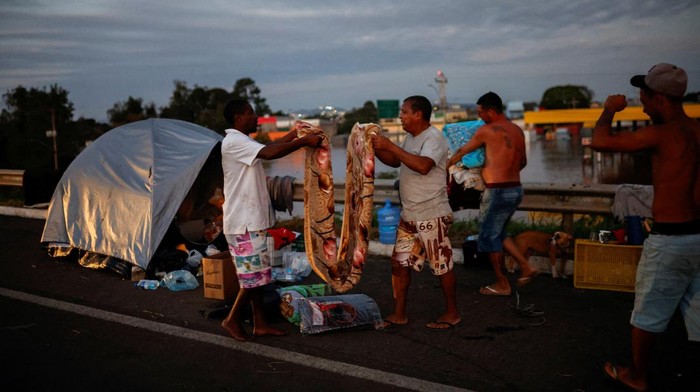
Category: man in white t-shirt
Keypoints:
(248, 210)
(426, 214)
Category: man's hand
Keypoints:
(616, 103)
(380, 142)
(312, 140)
(452, 161)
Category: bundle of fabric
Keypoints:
(291, 295)
(457, 135)
(340, 263)
(633, 200)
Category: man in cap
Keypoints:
(668, 275)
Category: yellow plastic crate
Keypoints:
(605, 266)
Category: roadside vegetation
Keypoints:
(461, 229)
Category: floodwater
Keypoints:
(562, 160)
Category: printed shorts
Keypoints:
(251, 257)
(668, 277)
(496, 209)
(421, 240)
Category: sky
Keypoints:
(309, 53)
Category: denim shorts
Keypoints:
(496, 209)
(668, 277)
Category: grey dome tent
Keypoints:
(120, 195)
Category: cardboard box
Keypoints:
(605, 266)
(220, 281)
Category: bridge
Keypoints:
(586, 118)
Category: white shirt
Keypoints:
(247, 205)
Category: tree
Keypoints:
(567, 97)
(200, 105)
(246, 88)
(366, 114)
(179, 105)
(692, 97)
(24, 123)
(130, 111)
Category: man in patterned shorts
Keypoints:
(426, 214)
(248, 210)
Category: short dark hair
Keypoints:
(233, 108)
(421, 104)
(491, 100)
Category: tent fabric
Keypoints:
(120, 194)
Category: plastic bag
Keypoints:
(180, 280)
(194, 259)
(296, 263)
(321, 314)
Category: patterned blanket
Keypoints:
(339, 263)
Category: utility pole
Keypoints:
(52, 134)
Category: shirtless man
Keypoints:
(505, 157)
(668, 274)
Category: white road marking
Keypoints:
(341, 368)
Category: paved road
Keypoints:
(67, 327)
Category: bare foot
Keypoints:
(268, 331)
(623, 377)
(392, 320)
(235, 330)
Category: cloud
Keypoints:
(307, 53)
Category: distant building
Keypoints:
(515, 110)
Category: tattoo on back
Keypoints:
(506, 138)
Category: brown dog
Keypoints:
(538, 242)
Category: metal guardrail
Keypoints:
(575, 198)
(545, 197)
(11, 177)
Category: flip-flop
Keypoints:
(488, 290)
(611, 372)
(387, 324)
(437, 325)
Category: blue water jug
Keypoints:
(388, 218)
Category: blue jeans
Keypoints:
(496, 209)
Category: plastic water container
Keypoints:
(148, 284)
(388, 218)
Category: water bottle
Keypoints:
(148, 284)
(388, 218)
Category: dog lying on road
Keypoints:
(541, 243)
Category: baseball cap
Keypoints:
(663, 78)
